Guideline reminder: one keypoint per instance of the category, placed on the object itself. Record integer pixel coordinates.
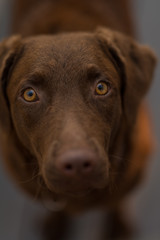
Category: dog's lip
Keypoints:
(58, 204)
(72, 192)
(81, 191)
(77, 192)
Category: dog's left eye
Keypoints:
(30, 95)
(102, 88)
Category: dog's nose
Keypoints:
(76, 171)
(73, 164)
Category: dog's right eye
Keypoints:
(30, 95)
(102, 88)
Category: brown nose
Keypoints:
(76, 163)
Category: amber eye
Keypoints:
(30, 95)
(102, 88)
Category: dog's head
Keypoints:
(64, 102)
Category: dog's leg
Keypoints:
(119, 227)
(55, 226)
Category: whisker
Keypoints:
(124, 161)
(116, 156)
(37, 193)
(31, 179)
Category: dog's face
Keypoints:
(66, 98)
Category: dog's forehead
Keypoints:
(64, 56)
(56, 46)
(59, 51)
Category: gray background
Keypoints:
(18, 214)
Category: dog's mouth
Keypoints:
(74, 191)
(80, 187)
(58, 194)
(59, 201)
(54, 201)
(79, 193)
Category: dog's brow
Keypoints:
(93, 70)
(36, 78)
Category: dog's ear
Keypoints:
(9, 52)
(134, 62)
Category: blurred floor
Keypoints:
(18, 214)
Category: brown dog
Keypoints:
(73, 127)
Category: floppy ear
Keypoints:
(135, 63)
(9, 52)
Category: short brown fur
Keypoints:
(69, 122)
